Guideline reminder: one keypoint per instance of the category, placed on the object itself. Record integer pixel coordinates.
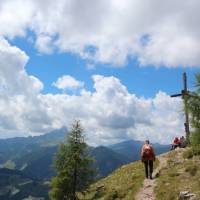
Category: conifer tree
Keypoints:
(73, 166)
(194, 107)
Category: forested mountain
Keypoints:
(14, 185)
(28, 162)
(131, 149)
(107, 160)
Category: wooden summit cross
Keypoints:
(185, 95)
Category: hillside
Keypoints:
(34, 155)
(175, 173)
(127, 182)
(182, 173)
(107, 160)
(15, 148)
(14, 185)
(121, 184)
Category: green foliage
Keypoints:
(188, 154)
(73, 166)
(196, 149)
(183, 175)
(195, 138)
(192, 169)
(123, 183)
(194, 108)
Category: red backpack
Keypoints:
(147, 151)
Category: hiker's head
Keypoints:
(146, 141)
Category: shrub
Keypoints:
(192, 169)
(196, 149)
(188, 154)
(112, 195)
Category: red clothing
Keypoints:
(147, 156)
(176, 141)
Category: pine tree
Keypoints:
(73, 166)
(194, 107)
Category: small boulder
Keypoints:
(186, 195)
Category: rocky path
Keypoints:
(147, 191)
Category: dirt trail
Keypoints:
(147, 191)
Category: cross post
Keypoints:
(185, 95)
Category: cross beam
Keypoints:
(185, 95)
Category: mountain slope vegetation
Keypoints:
(181, 173)
(14, 185)
(32, 157)
(121, 184)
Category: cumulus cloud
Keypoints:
(109, 114)
(44, 44)
(15, 17)
(166, 116)
(13, 76)
(161, 33)
(21, 111)
(67, 82)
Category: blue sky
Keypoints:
(112, 64)
(143, 81)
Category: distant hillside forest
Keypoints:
(27, 161)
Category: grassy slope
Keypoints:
(123, 183)
(181, 174)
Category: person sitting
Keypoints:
(176, 143)
(182, 142)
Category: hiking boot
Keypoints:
(151, 177)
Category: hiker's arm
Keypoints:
(153, 152)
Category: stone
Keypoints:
(186, 194)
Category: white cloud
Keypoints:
(110, 31)
(44, 44)
(166, 116)
(67, 82)
(21, 111)
(109, 114)
(12, 72)
(15, 17)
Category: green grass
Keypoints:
(181, 174)
(121, 184)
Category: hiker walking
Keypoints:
(147, 157)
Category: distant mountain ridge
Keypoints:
(14, 148)
(29, 151)
(55, 136)
(131, 149)
(107, 160)
(32, 157)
